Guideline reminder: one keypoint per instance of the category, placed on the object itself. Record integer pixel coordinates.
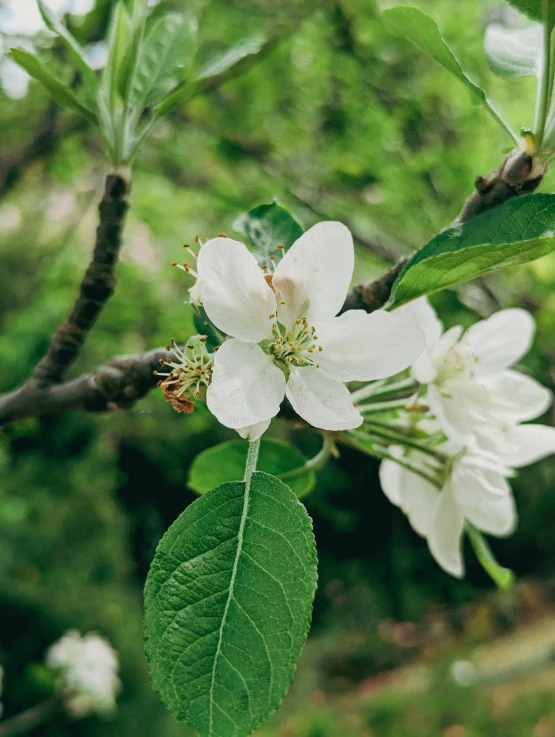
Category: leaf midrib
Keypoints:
(240, 540)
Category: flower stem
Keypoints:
(384, 431)
(546, 87)
(387, 406)
(381, 389)
(27, 720)
(313, 464)
(365, 445)
(504, 578)
(252, 459)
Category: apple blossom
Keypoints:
(190, 371)
(87, 668)
(285, 337)
(474, 489)
(471, 388)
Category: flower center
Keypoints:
(457, 364)
(189, 369)
(298, 345)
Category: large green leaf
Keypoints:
(514, 53)
(166, 52)
(521, 230)
(227, 605)
(57, 90)
(423, 32)
(266, 227)
(533, 8)
(226, 462)
(75, 51)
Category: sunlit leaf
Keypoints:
(532, 8)
(57, 90)
(228, 601)
(116, 67)
(514, 53)
(521, 230)
(75, 51)
(421, 30)
(226, 462)
(230, 60)
(165, 53)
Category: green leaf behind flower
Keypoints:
(226, 462)
(266, 227)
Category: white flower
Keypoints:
(475, 490)
(286, 338)
(471, 388)
(87, 666)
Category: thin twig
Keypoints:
(29, 719)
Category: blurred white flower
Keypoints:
(474, 489)
(87, 667)
(471, 389)
(286, 338)
(464, 673)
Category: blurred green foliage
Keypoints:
(342, 120)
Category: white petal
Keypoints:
(516, 397)
(501, 340)
(321, 400)
(452, 417)
(422, 312)
(495, 517)
(247, 388)
(477, 479)
(360, 347)
(314, 275)
(527, 444)
(254, 432)
(409, 491)
(445, 534)
(235, 294)
(391, 480)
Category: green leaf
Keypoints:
(532, 8)
(514, 53)
(521, 230)
(166, 52)
(423, 32)
(117, 66)
(228, 601)
(226, 462)
(220, 66)
(221, 63)
(75, 51)
(503, 578)
(266, 227)
(57, 90)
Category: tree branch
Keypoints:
(95, 290)
(123, 381)
(115, 385)
(520, 173)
